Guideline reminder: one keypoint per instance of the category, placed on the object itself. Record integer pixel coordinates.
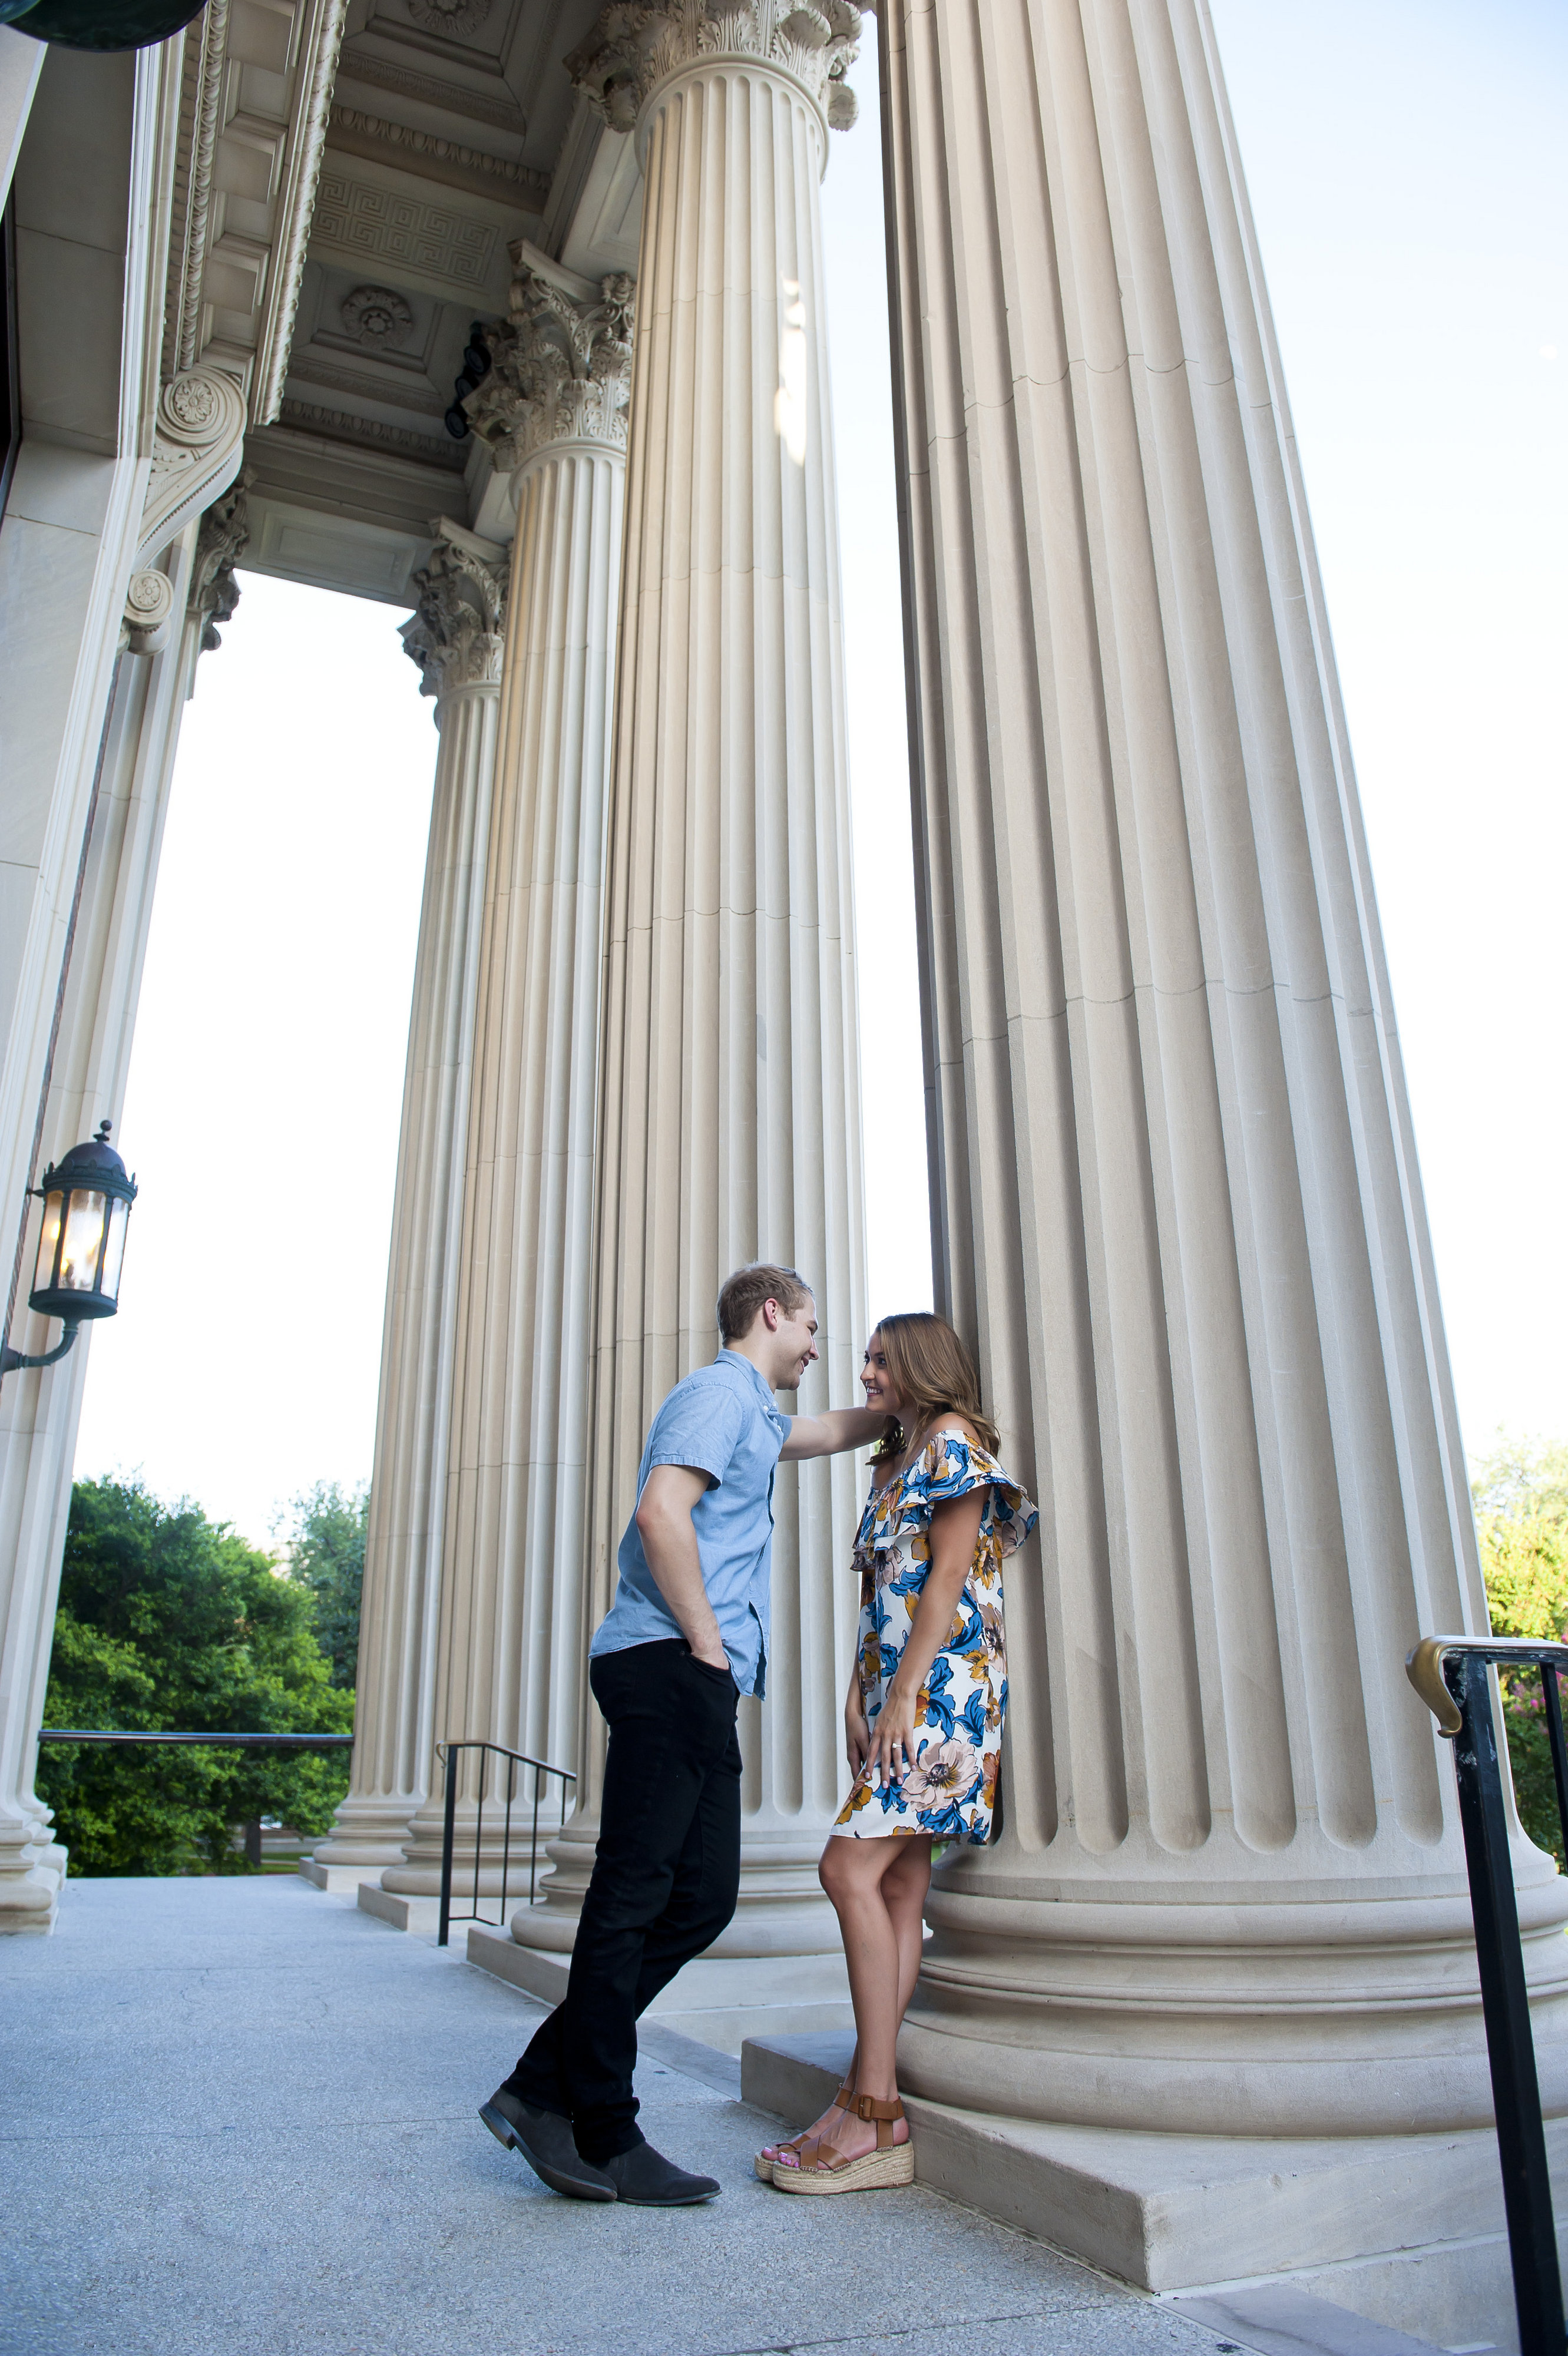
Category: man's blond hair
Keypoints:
(743, 1294)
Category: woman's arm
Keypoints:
(830, 1433)
(955, 1533)
(856, 1733)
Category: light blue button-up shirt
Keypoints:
(722, 1422)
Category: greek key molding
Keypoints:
(456, 633)
(371, 224)
(634, 47)
(559, 367)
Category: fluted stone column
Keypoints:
(455, 637)
(168, 617)
(511, 1661)
(729, 1110)
(1174, 1187)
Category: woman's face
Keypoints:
(877, 1383)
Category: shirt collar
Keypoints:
(735, 1358)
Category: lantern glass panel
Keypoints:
(83, 1240)
(44, 1274)
(114, 1249)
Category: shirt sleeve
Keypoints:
(699, 1427)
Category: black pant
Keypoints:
(664, 1884)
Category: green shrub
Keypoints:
(167, 1620)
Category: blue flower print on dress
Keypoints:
(949, 1790)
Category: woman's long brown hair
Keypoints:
(932, 1373)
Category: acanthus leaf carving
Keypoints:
(561, 365)
(636, 44)
(214, 591)
(457, 632)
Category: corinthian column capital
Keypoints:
(455, 633)
(222, 539)
(561, 367)
(634, 47)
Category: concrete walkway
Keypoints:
(239, 2118)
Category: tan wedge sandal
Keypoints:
(822, 2167)
(763, 2163)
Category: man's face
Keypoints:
(794, 1344)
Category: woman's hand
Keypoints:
(893, 1744)
(856, 1733)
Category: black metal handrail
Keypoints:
(223, 1742)
(515, 1758)
(1449, 1673)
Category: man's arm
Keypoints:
(830, 1433)
(664, 1520)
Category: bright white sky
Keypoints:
(1409, 175)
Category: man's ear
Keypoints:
(771, 1312)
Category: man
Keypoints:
(685, 1637)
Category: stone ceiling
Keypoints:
(447, 131)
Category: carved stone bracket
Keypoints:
(456, 634)
(197, 452)
(214, 592)
(561, 366)
(635, 47)
(149, 609)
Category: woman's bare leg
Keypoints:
(876, 1893)
(903, 1886)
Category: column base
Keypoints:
(29, 1900)
(1405, 2230)
(719, 2001)
(368, 1835)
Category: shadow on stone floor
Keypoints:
(240, 2118)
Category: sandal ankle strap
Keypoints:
(866, 2106)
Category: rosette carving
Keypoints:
(149, 608)
(559, 367)
(456, 634)
(197, 449)
(634, 46)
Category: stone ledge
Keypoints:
(337, 1881)
(1405, 2230)
(420, 1915)
(718, 2000)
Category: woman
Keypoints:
(923, 1719)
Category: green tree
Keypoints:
(167, 1620)
(325, 1542)
(1521, 1493)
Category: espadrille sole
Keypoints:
(763, 2168)
(876, 2171)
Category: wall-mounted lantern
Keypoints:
(81, 1246)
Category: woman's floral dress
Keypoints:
(951, 1787)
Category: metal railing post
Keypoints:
(1450, 1674)
(449, 1829)
(1505, 2002)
